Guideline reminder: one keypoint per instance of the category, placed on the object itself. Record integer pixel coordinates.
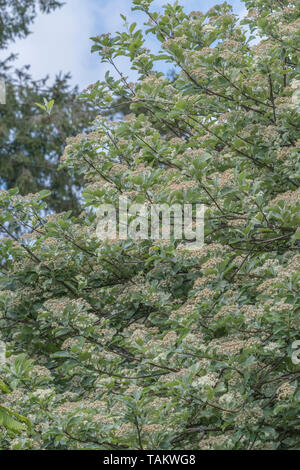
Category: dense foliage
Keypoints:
(128, 344)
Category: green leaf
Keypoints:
(4, 388)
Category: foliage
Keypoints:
(128, 344)
(47, 106)
(7, 417)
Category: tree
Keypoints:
(31, 143)
(145, 344)
(16, 16)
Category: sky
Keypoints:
(60, 41)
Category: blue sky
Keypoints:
(60, 41)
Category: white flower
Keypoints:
(271, 347)
(208, 28)
(42, 393)
(227, 398)
(209, 379)
(295, 84)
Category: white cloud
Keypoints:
(60, 41)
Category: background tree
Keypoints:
(31, 142)
(16, 16)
